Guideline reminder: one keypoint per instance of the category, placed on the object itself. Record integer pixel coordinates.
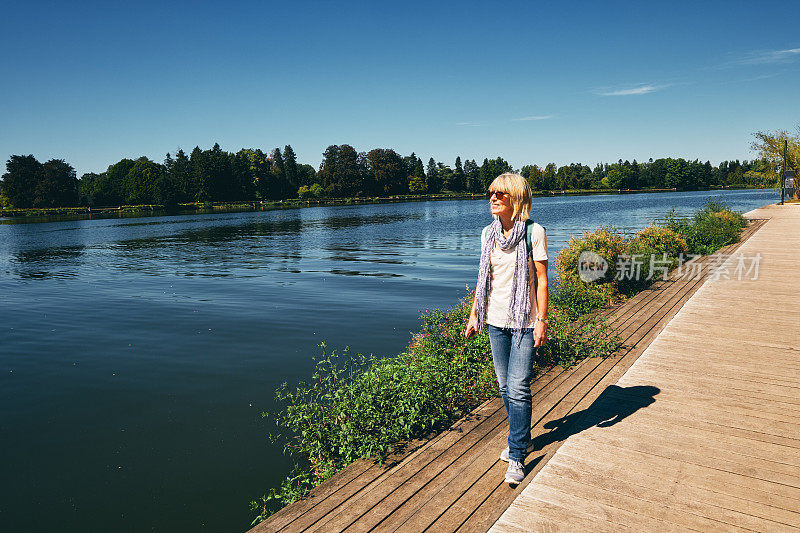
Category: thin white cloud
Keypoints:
(769, 57)
(467, 124)
(534, 117)
(632, 91)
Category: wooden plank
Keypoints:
(787, 496)
(563, 519)
(617, 514)
(671, 478)
(688, 506)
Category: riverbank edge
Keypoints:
(84, 213)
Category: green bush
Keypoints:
(307, 192)
(578, 298)
(711, 228)
(576, 295)
(660, 245)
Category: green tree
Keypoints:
(199, 175)
(417, 185)
(388, 170)
(446, 176)
(770, 147)
(472, 175)
(306, 174)
(221, 186)
(180, 172)
(23, 173)
(459, 178)
(486, 174)
(492, 168)
(58, 186)
(140, 182)
(432, 177)
(290, 165)
(86, 187)
(343, 171)
(549, 177)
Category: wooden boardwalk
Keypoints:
(454, 481)
(711, 436)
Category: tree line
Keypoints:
(215, 175)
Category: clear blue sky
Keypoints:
(542, 81)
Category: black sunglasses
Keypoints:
(500, 194)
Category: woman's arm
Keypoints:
(472, 323)
(540, 277)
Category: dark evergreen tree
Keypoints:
(432, 179)
(472, 176)
(180, 172)
(459, 179)
(199, 175)
(279, 173)
(221, 186)
(445, 175)
(635, 175)
(486, 174)
(290, 166)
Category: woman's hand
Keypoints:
(539, 334)
(472, 326)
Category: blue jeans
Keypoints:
(513, 365)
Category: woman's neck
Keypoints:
(506, 222)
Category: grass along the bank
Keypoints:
(356, 406)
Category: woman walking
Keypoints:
(511, 298)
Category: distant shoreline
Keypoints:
(134, 211)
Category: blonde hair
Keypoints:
(520, 191)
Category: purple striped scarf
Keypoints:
(519, 309)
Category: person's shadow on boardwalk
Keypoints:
(613, 405)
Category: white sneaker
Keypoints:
(504, 453)
(515, 473)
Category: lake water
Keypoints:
(136, 355)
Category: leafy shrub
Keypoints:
(576, 295)
(664, 240)
(604, 242)
(711, 228)
(578, 298)
(309, 192)
(653, 247)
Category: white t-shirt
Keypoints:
(501, 275)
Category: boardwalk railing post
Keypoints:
(783, 172)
